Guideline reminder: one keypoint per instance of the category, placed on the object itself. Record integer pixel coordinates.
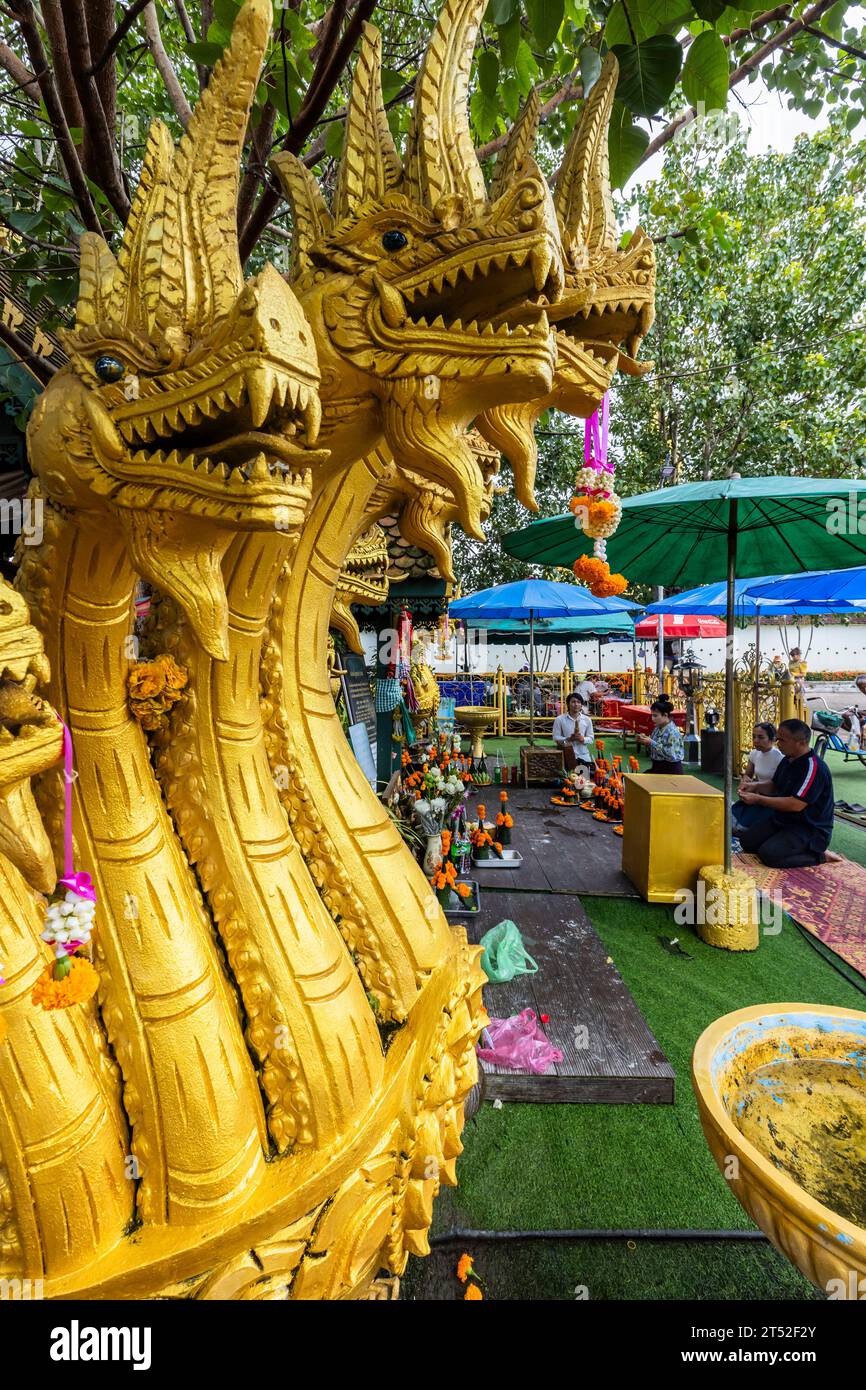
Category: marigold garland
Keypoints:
(76, 986)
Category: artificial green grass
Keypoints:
(549, 1270)
(542, 1167)
(612, 1166)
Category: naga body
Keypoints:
(267, 1092)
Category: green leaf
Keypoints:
(526, 67)
(484, 111)
(710, 10)
(648, 72)
(590, 67)
(509, 39)
(225, 12)
(626, 144)
(545, 17)
(500, 12)
(334, 139)
(488, 72)
(705, 74)
(205, 53)
(511, 97)
(640, 19)
(392, 83)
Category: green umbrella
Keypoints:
(699, 532)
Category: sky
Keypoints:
(771, 126)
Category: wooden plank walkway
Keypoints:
(564, 850)
(609, 1053)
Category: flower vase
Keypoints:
(503, 834)
(447, 898)
(433, 853)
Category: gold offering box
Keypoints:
(673, 826)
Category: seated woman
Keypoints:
(665, 742)
(763, 761)
(573, 733)
(800, 799)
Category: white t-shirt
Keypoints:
(586, 690)
(563, 729)
(765, 761)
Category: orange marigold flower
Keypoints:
(463, 890)
(79, 985)
(482, 812)
(464, 1268)
(503, 796)
(472, 1294)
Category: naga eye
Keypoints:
(109, 368)
(395, 240)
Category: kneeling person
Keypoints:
(573, 733)
(800, 798)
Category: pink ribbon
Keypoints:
(80, 883)
(595, 439)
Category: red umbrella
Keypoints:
(685, 625)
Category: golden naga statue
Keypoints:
(226, 1119)
(363, 580)
(608, 304)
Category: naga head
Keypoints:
(427, 296)
(189, 405)
(31, 740)
(608, 304)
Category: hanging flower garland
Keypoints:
(71, 979)
(598, 508)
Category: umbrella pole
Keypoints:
(531, 678)
(756, 698)
(729, 680)
(660, 642)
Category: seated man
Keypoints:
(573, 733)
(800, 796)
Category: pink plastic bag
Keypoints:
(518, 1043)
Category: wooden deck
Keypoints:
(609, 1053)
(564, 850)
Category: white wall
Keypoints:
(830, 647)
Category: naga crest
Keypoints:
(363, 580)
(190, 402)
(608, 303)
(427, 294)
(31, 739)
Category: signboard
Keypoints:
(356, 688)
(364, 751)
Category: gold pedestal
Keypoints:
(476, 720)
(673, 827)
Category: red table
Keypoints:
(612, 706)
(638, 719)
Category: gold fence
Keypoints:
(759, 695)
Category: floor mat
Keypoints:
(829, 900)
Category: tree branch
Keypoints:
(53, 20)
(262, 139)
(177, 96)
(189, 32)
(100, 27)
(836, 43)
(41, 369)
(327, 74)
(750, 64)
(122, 29)
(107, 171)
(20, 73)
(23, 10)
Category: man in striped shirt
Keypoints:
(800, 796)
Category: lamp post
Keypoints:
(688, 672)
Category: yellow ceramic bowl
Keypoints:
(781, 1090)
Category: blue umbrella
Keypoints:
(750, 600)
(528, 599)
(532, 599)
(822, 591)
